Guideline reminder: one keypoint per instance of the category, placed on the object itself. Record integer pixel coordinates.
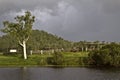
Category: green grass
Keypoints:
(70, 58)
(75, 54)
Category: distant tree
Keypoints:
(21, 29)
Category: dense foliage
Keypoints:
(43, 40)
(108, 55)
(38, 40)
(21, 29)
(7, 42)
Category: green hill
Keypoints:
(38, 40)
(44, 40)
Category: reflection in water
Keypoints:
(58, 74)
(24, 73)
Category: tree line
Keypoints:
(42, 40)
(39, 40)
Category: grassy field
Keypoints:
(76, 54)
(69, 59)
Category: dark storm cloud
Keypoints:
(72, 19)
(17, 5)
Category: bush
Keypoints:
(56, 59)
(107, 55)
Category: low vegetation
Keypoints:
(107, 56)
(56, 59)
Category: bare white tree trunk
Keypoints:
(24, 50)
(23, 44)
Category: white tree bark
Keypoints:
(24, 50)
(23, 44)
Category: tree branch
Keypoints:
(27, 39)
(20, 43)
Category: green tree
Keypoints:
(107, 55)
(21, 29)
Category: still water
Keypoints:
(59, 74)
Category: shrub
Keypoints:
(107, 55)
(56, 59)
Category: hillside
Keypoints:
(38, 40)
(44, 40)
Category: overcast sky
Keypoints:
(73, 20)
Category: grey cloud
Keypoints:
(111, 7)
(72, 19)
